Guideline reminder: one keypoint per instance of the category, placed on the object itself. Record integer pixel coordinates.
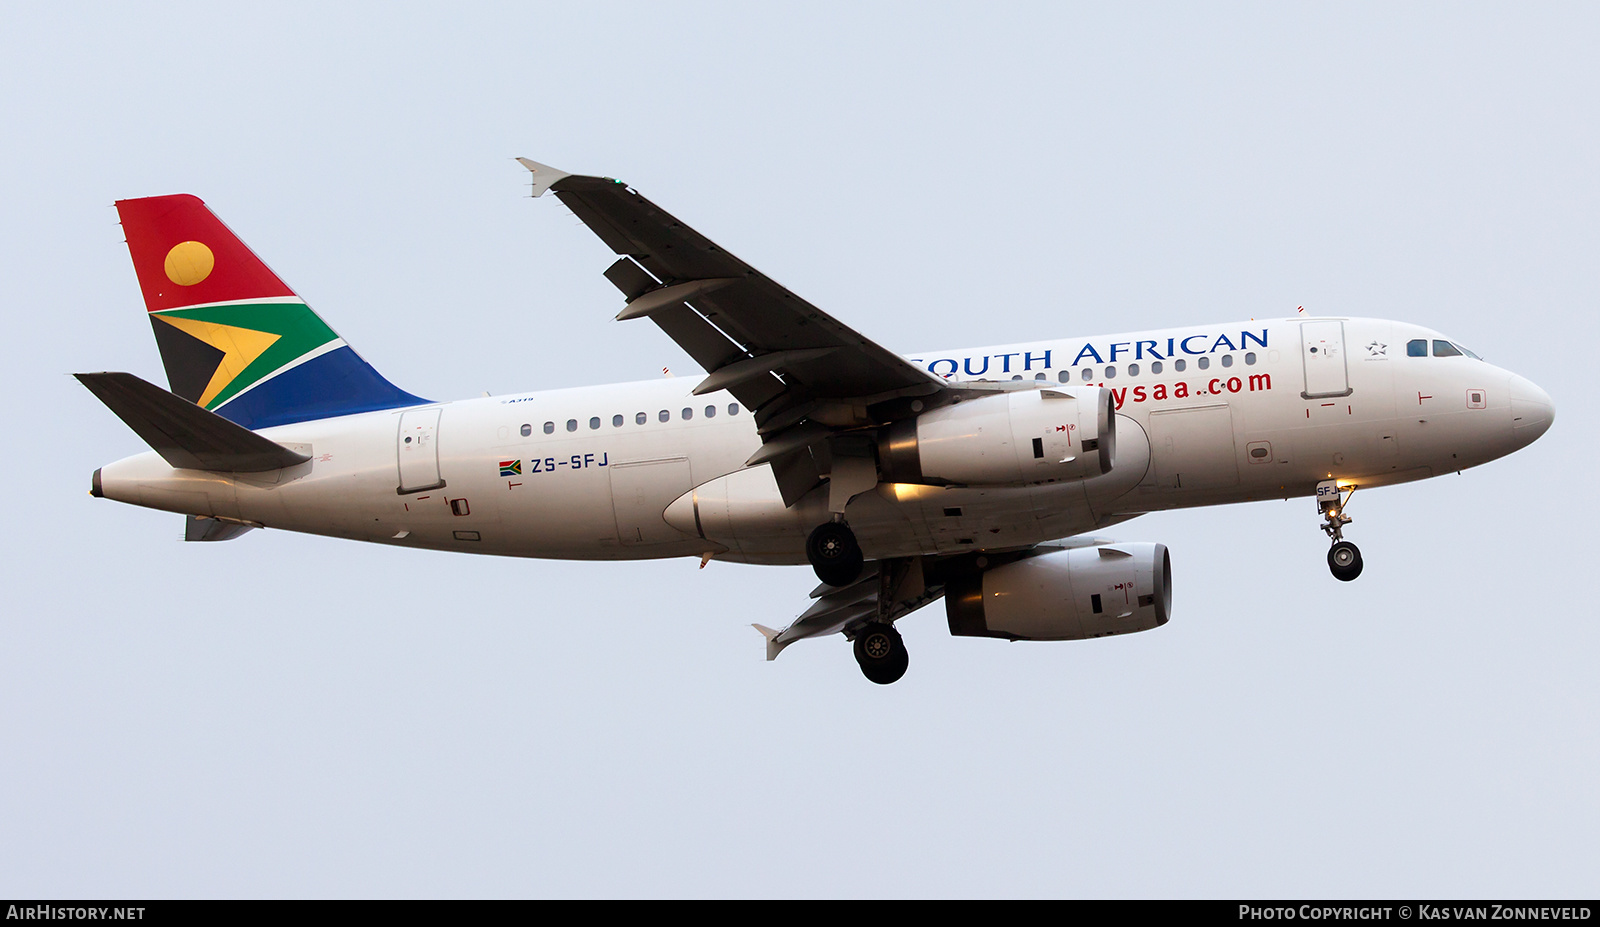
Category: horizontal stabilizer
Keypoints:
(185, 435)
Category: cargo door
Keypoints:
(640, 491)
(1193, 448)
(1322, 352)
(417, 446)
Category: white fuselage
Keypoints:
(641, 470)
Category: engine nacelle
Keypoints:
(1015, 438)
(1068, 595)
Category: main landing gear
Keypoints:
(881, 653)
(834, 554)
(1344, 558)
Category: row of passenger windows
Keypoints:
(640, 418)
(1086, 374)
(1418, 347)
(1110, 371)
(1178, 366)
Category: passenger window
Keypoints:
(1038, 376)
(594, 423)
(641, 418)
(665, 416)
(1155, 367)
(1133, 370)
(549, 428)
(1064, 376)
(711, 411)
(572, 424)
(688, 414)
(616, 421)
(1444, 349)
(1417, 347)
(527, 430)
(1179, 364)
(1111, 373)
(1087, 374)
(1250, 359)
(1227, 360)
(733, 408)
(1205, 363)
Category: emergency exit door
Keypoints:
(417, 447)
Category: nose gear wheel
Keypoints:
(1344, 560)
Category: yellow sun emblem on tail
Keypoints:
(189, 262)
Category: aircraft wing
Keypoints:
(886, 591)
(806, 375)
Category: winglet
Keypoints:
(773, 646)
(544, 176)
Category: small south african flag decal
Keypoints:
(510, 468)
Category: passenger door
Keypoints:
(417, 448)
(1322, 353)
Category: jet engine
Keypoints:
(1065, 595)
(1008, 439)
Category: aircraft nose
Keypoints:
(1532, 410)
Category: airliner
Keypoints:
(977, 474)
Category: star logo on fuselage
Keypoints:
(1377, 349)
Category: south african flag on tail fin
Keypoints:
(233, 337)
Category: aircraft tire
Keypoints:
(834, 554)
(1344, 560)
(881, 653)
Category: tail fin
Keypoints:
(233, 337)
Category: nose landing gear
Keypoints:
(834, 553)
(1344, 558)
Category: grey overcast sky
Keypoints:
(284, 715)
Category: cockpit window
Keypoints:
(1468, 352)
(1442, 348)
(1417, 347)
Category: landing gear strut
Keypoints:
(1344, 558)
(834, 553)
(881, 653)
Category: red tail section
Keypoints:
(233, 337)
(184, 255)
